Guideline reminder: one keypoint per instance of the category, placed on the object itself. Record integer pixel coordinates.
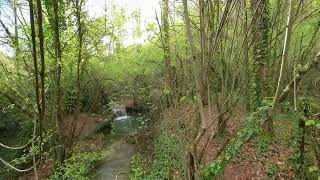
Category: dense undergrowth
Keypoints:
(79, 166)
(177, 129)
(173, 136)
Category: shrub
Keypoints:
(137, 168)
(78, 167)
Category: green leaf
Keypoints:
(318, 125)
(166, 91)
(313, 169)
(11, 106)
(310, 122)
(183, 98)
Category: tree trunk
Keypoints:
(80, 39)
(269, 124)
(285, 51)
(204, 53)
(167, 54)
(78, 5)
(58, 59)
(246, 56)
(196, 65)
(199, 88)
(34, 55)
(301, 141)
(35, 64)
(42, 65)
(16, 35)
(260, 50)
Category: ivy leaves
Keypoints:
(313, 123)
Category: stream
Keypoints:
(116, 165)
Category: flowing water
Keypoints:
(117, 164)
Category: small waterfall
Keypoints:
(119, 113)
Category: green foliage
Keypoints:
(110, 68)
(28, 153)
(15, 130)
(176, 132)
(78, 167)
(297, 134)
(262, 146)
(272, 170)
(165, 160)
(137, 169)
(313, 169)
(314, 172)
(142, 122)
(305, 125)
(313, 122)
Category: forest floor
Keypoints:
(260, 158)
(265, 158)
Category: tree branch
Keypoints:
(299, 76)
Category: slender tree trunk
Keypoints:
(167, 53)
(204, 52)
(36, 74)
(79, 62)
(246, 56)
(58, 55)
(301, 141)
(16, 35)
(42, 65)
(34, 55)
(285, 51)
(58, 59)
(192, 164)
(80, 39)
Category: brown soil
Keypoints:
(217, 144)
(250, 165)
(85, 125)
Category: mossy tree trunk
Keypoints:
(260, 50)
(169, 75)
(42, 68)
